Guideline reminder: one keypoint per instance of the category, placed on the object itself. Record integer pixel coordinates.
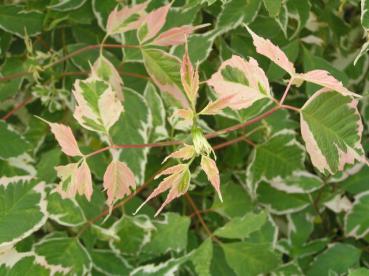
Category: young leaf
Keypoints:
(128, 18)
(153, 23)
(177, 183)
(189, 77)
(266, 48)
(164, 70)
(176, 35)
(325, 79)
(64, 135)
(209, 166)
(239, 83)
(98, 107)
(184, 153)
(118, 179)
(331, 128)
(84, 181)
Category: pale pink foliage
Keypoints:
(172, 183)
(120, 21)
(176, 35)
(239, 95)
(266, 48)
(325, 79)
(210, 168)
(154, 21)
(64, 135)
(216, 106)
(184, 153)
(118, 179)
(189, 77)
(78, 178)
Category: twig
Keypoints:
(16, 108)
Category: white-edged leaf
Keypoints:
(356, 221)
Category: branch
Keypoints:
(16, 108)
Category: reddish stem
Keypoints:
(17, 107)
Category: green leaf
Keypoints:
(26, 265)
(279, 202)
(170, 235)
(22, 210)
(162, 269)
(250, 259)
(158, 129)
(365, 13)
(108, 263)
(67, 252)
(359, 272)
(356, 222)
(356, 182)
(101, 10)
(11, 66)
(133, 128)
(236, 201)
(66, 5)
(16, 20)
(291, 268)
(338, 259)
(277, 158)
(239, 228)
(201, 258)
(164, 70)
(64, 211)
(331, 128)
(273, 7)
(12, 144)
(45, 167)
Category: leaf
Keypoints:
(158, 129)
(103, 69)
(101, 10)
(356, 223)
(325, 79)
(22, 210)
(278, 202)
(14, 19)
(276, 159)
(65, 251)
(12, 144)
(176, 35)
(107, 262)
(189, 77)
(153, 23)
(365, 14)
(118, 179)
(338, 258)
(66, 140)
(133, 127)
(273, 7)
(240, 228)
(209, 166)
(126, 19)
(162, 269)
(170, 235)
(242, 82)
(98, 107)
(65, 212)
(236, 201)
(250, 259)
(67, 5)
(266, 48)
(362, 271)
(11, 65)
(331, 128)
(164, 70)
(75, 178)
(201, 258)
(186, 152)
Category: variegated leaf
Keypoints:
(241, 82)
(331, 128)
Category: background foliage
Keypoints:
(305, 223)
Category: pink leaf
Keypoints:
(172, 170)
(64, 135)
(266, 48)
(67, 174)
(84, 181)
(153, 23)
(184, 153)
(215, 107)
(118, 179)
(240, 82)
(325, 79)
(189, 77)
(210, 168)
(176, 35)
(128, 18)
